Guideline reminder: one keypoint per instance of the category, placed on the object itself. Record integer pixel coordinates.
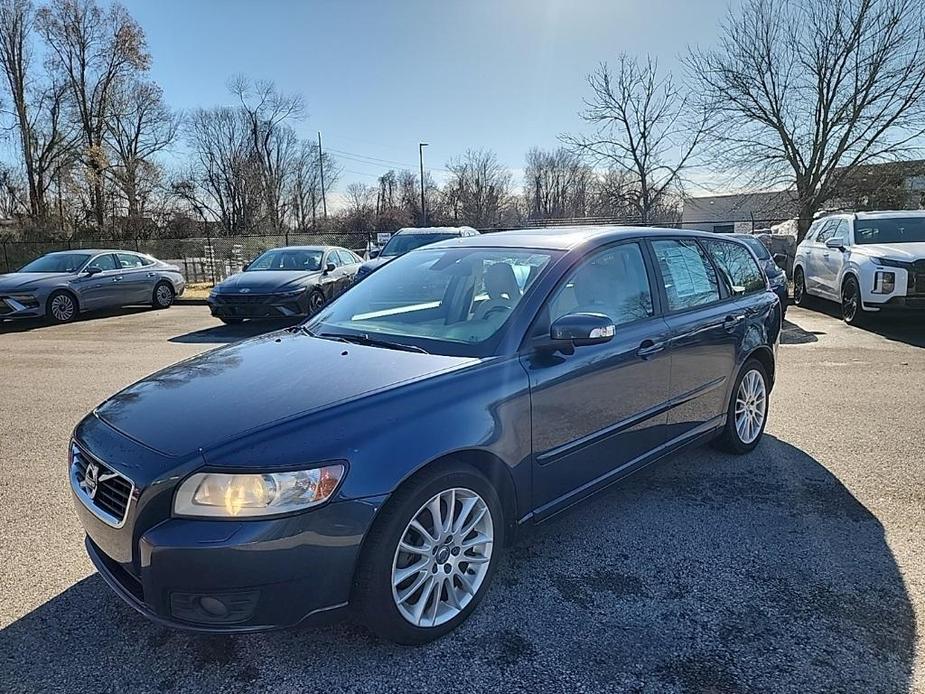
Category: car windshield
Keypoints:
(758, 248)
(57, 262)
(450, 301)
(402, 243)
(301, 259)
(890, 230)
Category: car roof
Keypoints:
(880, 214)
(434, 230)
(96, 251)
(565, 238)
(303, 248)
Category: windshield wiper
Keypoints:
(364, 339)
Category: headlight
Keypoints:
(24, 299)
(884, 282)
(891, 263)
(226, 495)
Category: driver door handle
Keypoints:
(649, 347)
(732, 321)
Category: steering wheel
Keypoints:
(496, 308)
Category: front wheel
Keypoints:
(748, 410)
(62, 307)
(851, 310)
(430, 556)
(800, 297)
(316, 301)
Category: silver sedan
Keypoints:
(61, 285)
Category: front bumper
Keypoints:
(15, 308)
(259, 305)
(897, 304)
(262, 574)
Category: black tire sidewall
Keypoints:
(730, 440)
(51, 316)
(373, 588)
(858, 311)
(312, 310)
(799, 279)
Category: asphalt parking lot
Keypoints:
(798, 569)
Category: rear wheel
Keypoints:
(163, 295)
(61, 307)
(430, 556)
(748, 410)
(800, 298)
(851, 310)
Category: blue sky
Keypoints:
(379, 77)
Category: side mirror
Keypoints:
(92, 270)
(245, 266)
(835, 243)
(330, 267)
(581, 329)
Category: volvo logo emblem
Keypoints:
(92, 478)
(244, 291)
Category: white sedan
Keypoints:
(869, 262)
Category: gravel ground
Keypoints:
(800, 568)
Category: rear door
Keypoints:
(598, 410)
(137, 280)
(703, 321)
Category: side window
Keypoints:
(688, 276)
(613, 282)
(827, 230)
(737, 266)
(332, 258)
(129, 260)
(104, 262)
(841, 231)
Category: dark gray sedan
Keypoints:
(61, 285)
(290, 282)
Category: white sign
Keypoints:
(382, 237)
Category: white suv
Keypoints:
(868, 262)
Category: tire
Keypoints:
(62, 307)
(316, 301)
(231, 321)
(851, 310)
(386, 602)
(163, 295)
(800, 297)
(736, 438)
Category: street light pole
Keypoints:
(421, 146)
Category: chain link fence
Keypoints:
(210, 259)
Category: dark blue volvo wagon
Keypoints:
(379, 455)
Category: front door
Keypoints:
(102, 289)
(832, 260)
(596, 411)
(817, 259)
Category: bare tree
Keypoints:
(93, 49)
(140, 126)
(305, 189)
(556, 184)
(46, 140)
(644, 125)
(268, 114)
(479, 189)
(808, 90)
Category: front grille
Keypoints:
(104, 491)
(241, 299)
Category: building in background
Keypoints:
(739, 212)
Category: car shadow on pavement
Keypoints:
(21, 325)
(793, 334)
(899, 327)
(705, 573)
(232, 333)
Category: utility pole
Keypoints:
(324, 202)
(421, 146)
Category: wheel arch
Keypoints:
(64, 290)
(765, 357)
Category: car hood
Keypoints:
(19, 281)
(376, 263)
(908, 252)
(265, 281)
(222, 394)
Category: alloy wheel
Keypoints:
(799, 288)
(62, 308)
(849, 301)
(163, 295)
(751, 406)
(442, 558)
(315, 301)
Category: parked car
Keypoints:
(290, 282)
(61, 285)
(407, 239)
(381, 454)
(777, 278)
(869, 262)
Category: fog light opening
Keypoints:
(213, 606)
